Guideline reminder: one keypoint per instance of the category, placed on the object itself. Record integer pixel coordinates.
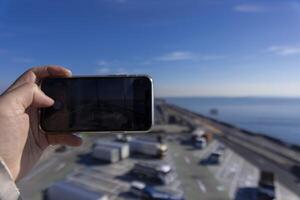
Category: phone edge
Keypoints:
(105, 132)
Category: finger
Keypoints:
(35, 74)
(51, 71)
(64, 139)
(26, 95)
(27, 77)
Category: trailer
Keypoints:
(65, 190)
(123, 148)
(106, 153)
(150, 148)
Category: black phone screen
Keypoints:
(113, 103)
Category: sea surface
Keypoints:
(276, 117)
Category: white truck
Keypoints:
(150, 148)
(106, 153)
(123, 148)
(200, 138)
(64, 190)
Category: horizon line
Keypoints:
(226, 96)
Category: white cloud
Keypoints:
(249, 8)
(176, 56)
(110, 67)
(186, 55)
(284, 50)
(210, 57)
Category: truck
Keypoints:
(201, 137)
(200, 142)
(70, 191)
(123, 148)
(150, 148)
(266, 186)
(106, 153)
(159, 172)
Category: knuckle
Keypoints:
(33, 86)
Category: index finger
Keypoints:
(36, 74)
(50, 71)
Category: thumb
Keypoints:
(26, 95)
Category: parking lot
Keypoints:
(233, 178)
(192, 180)
(114, 179)
(197, 181)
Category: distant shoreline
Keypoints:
(295, 147)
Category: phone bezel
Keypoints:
(105, 132)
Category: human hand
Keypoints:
(22, 142)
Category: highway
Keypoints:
(259, 151)
(235, 177)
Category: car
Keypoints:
(162, 173)
(143, 191)
(214, 158)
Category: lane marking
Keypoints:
(201, 186)
(220, 188)
(187, 160)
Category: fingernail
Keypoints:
(69, 72)
(77, 135)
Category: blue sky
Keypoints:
(189, 47)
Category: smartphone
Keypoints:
(99, 104)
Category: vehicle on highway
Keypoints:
(200, 138)
(142, 191)
(266, 186)
(214, 158)
(150, 148)
(69, 191)
(200, 143)
(162, 173)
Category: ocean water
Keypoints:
(276, 117)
